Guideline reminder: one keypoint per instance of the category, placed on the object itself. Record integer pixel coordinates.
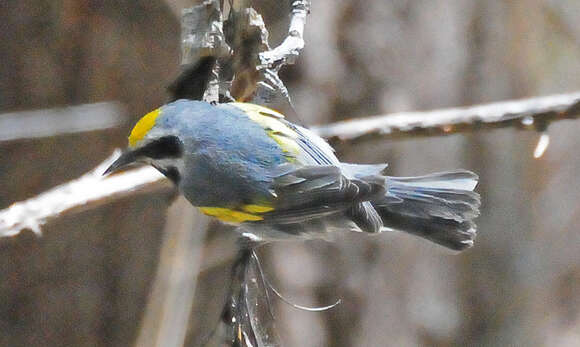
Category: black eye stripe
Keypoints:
(162, 148)
(171, 172)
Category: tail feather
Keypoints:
(439, 207)
(458, 180)
(445, 232)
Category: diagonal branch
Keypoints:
(89, 191)
(533, 113)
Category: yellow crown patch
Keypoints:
(143, 126)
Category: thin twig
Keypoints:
(289, 49)
(534, 113)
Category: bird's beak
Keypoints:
(128, 157)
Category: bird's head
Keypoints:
(153, 142)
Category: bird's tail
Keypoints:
(439, 207)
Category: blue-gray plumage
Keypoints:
(228, 158)
(246, 164)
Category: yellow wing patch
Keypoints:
(234, 216)
(288, 145)
(256, 109)
(143, 126)
(270, 120)
(257, 208)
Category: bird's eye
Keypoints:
(163, 148)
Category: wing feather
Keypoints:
(315, 185)
(308, 192)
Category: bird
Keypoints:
(248, 166)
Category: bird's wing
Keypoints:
(317, 191)
(300, 145)
(309, 192)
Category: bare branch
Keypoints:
(89, 191)
(534, 113)
(289, 49)
(257, 65)
(59, 121)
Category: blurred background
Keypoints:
(87, 280)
